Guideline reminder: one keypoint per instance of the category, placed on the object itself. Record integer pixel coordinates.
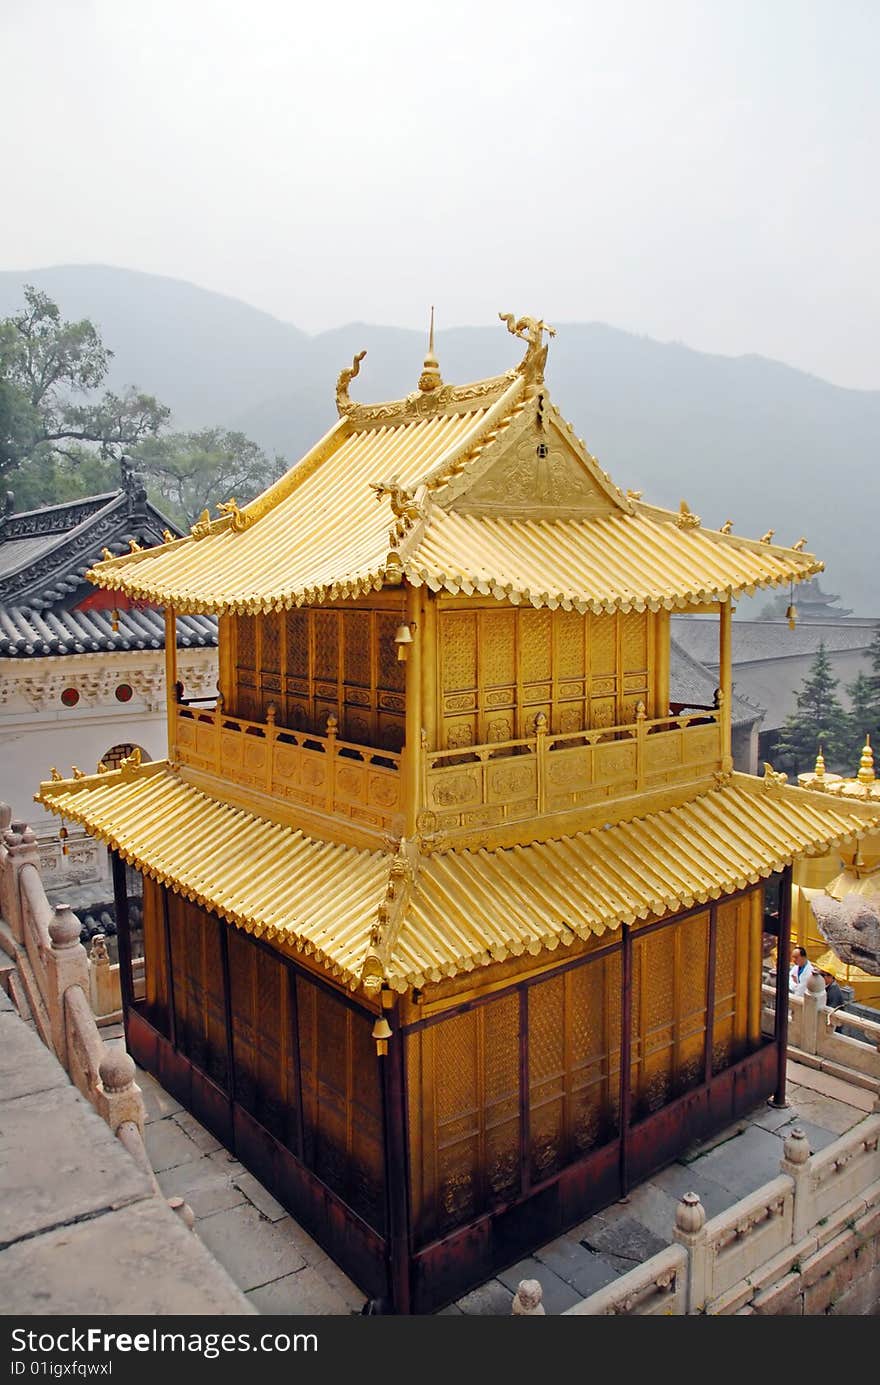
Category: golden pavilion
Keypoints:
(452, 931)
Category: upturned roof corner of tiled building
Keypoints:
(418, 912)
(480, 488)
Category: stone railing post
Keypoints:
(120, 1099)
(104, 991)
(814, 1000)
(19, 848)
(67, 965)
(690, 1232)
(527, 1300)
(796, 1164)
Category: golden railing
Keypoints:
(321, 772)
(509, 780)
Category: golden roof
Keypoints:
(481, 488)
(409, 918)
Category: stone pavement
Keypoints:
(281, 1269)
(82, 1228)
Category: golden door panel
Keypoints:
(732, 949)
(464, 1120)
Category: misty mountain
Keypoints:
(744, 438)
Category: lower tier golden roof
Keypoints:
(450, 911)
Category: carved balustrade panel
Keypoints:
(319, 771)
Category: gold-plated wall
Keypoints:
(500, 666)
(313, 663)
(505, 1095)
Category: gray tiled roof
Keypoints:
(754, 640)
(693, 684)
(28, 633)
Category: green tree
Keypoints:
(49, 372)
(190, 472)
(819, 720)
(861, 719)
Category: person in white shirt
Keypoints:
(800, 973)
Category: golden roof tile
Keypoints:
(411, 918)
(479, 488)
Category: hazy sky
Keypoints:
(695, 170)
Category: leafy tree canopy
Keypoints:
(190, 472)
(49, 372)
(61, 438)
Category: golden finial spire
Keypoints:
(430, 378)
(866, 764)
(819, 770)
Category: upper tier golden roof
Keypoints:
(481, 488)
(409, 916)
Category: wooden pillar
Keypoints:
(412, 751)
(710, 992)
(660, 706)
(783, 950)
(625, 1056)
(396, 1179)
(430, 675)
(725, 683)
(123, 937)
(171, 679)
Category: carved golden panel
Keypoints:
(635, 682)
(356, 647)
(603, 645)
(499, 728)
(392, 671)
(603, 687)
(391, 732)
(246, 642)
(497, 651)
(326, 628)
(458, 650)
(570, 718)
(537, 692)
(392, 702)
(535, 645)
(500, 697)
(634, 640)
(270, 642)
(449, 789)
(297, 653)
(615, 761)
(569, 768)
(570, 644)
(603, 712)
(460, 733)
(460, 702)
(572, 689)
(358, 697)
(516, 780)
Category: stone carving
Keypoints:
(527, 1300)
(851, 927)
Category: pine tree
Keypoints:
(863, 718)
(819, 720)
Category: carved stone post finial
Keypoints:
(121, 1099)
(67, 965)
(796, 1163)
(527, 1300)
(690, 1232)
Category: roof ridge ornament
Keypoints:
(344, 405)
(531, 330)
(430, 378)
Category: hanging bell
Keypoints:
(402, 638)
(381, 1034)
(791, 615)
(63, 834)
(114, 620)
